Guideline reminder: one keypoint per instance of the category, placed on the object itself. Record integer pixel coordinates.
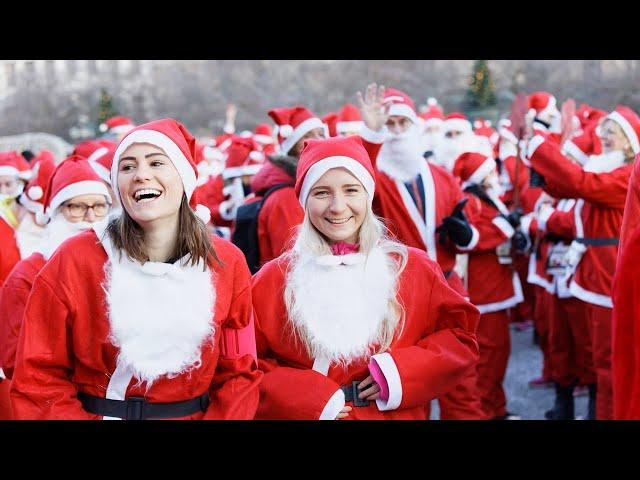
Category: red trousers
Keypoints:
(495, 347)
(5, 404)
(541, 323)
(600, 324)
(570, 350)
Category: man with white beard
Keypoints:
(418, 202)
(78, 198)
(432, 121)
(457, 138)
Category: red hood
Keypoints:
(268, 176)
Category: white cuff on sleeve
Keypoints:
(543, 217)
(372, 137)
(504, 226)
(533, 145)
(474, 241)
(391, 374)
(224, 213)
(333, 406)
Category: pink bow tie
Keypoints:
(344, 248)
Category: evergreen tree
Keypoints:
(481, 91)
(106, 108)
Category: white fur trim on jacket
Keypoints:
(589, 296)
(533, 145)
(504, 226)
(333, 406)
(326, 164)
(373, 137)
(509, 302)
(299, 132)
(572, 149)
(185, 170)
(535, 279)
(392, 376)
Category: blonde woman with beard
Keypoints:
(350, 324)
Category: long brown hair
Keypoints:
(194, 238)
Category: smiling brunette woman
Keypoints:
(343, 330)
(127, 321)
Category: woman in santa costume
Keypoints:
(127, 320)
(343, 329)
(494, 285)
(601, 190)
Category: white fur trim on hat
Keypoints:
(122, 129)
(320, 168)
(86, 187)
(403, 110)
(550, 108)
(627, 129)
(458, 124)
(299, 132)
(9, 171)
(432, 122)
(232, 172)
(482, 171)
(101, 170)
(31, 205)
(257, 156)
(159, 139)
(266, 139)
(354, 126)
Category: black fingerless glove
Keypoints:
(519, 241)
(459, 231)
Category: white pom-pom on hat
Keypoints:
(256, 156)
(431, 101)
(35, 192)
(103, 127)
(203, 213)
(477, 124)
(285, 131)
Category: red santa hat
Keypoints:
(630, 124)
(472, 167)
(330, 121)
(582, 146)
(400, 104)
(263, 134)
(587, 115)
(32, 198)
(349, 119)
(179, 145)
(24, 168)
(433, 114)
(483, 128)
(243, 158)
(293, 123)
(73, 177)
(99, 154)
(541, 103)
(9, 164)
(222, 142)
(457, 121)
(320, 156)
(117, 125)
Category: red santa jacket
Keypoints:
(64, 344)
(13, 300)
(210, 195)
(492, 286)
(598, 215)
(280, 215)
(394, 204)
(9, 251)
(436, 348)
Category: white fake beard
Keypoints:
(339, 310)
(57, 231)
(430, 141)
(160, 315)
(449, 149)
(29, 235)
(605, 162)
(400, 156)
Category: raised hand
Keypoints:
(374, 112)
(231, 112)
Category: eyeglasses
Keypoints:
(79, 210)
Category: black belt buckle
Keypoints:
(135, 408)
(353, 397)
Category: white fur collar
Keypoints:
(161, 315)
(339, 309)
(29, 235)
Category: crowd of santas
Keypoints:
(522, 226)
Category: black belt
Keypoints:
(598, 242)
(351, 395)
(447, 274)
(136, 408)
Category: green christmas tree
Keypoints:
(481, 90)
(105, 106)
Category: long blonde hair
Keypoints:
(373, 233)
